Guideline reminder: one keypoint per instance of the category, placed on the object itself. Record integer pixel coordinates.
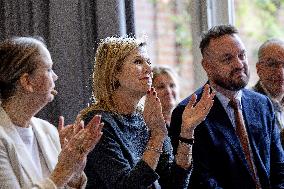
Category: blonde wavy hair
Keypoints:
(109, 59)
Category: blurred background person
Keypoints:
(30, 149)
(165, 81)
(270, 69)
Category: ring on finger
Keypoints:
(81, 149)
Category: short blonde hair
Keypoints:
(109, 59)
(163, 69)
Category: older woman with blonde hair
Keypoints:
(135, 151)
(30, 149)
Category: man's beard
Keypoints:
(231, 84)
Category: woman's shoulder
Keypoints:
(115, 121)
(106, 116)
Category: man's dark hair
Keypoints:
(216, 32)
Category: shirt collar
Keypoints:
(225, 100)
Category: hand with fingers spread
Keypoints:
(153, 115)
(72, 159)
(66, 132)
(195, 112)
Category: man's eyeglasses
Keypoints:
(272, 63)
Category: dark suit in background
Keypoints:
(278, 109)
(270, 69)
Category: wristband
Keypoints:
(189, 141)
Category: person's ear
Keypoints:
(25, 82)
(205, 64)
(258, 68)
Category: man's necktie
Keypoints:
(243, 137)
(278, 113)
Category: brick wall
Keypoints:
(155, 21)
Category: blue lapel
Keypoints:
(254, 128)
(219, 120)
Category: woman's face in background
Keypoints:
(167, 91)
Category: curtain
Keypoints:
(72, 30)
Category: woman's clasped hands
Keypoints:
(153, 115)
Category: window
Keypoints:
(265, 21)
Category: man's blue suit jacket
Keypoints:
(218, 160)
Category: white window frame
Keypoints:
(206, 14)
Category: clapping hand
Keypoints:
(153, 115)
(78, 142)
(66, 132)
(194, 113)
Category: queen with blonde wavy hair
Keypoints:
(135, 150)
(109, 60)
